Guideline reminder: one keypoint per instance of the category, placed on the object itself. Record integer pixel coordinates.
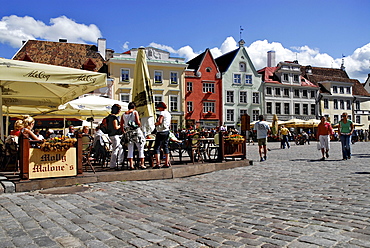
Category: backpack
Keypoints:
(104, 126)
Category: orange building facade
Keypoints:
(203, 93)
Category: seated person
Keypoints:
(28, 124)
(71, 132)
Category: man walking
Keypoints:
(262, 129)
(285, 135)
(324, 130)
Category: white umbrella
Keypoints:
(27, 86)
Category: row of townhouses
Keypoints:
(207, 92)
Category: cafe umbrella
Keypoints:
(28, 87)
(142, 93)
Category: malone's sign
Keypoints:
(52, 164)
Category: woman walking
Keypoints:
(345, 131)
(130, 123)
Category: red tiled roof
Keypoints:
(80, 56)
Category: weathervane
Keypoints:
(240, 32)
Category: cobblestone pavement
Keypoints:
(290, 200)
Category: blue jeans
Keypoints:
(345, 140)
(285, 141)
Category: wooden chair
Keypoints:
(87, 147)
(214, 147)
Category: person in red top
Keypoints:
(324, 130)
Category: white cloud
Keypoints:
(125, 46)
(15, 29)
(357, 65)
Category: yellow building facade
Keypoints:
(167, 79)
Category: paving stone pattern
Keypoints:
(290, 200)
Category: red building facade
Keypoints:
(203, 92)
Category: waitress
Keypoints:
(162, 136)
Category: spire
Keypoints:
(342, 67)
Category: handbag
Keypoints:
(318, 145)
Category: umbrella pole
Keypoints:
(1, 115)
(7, 121)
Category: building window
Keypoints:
(242, 67)
(158, 99)
(348, 89)
(208, 88)
(277, 92)
(158, 77)
(326, 103)
(256, 97)
(286, 92)
(348, 104)
(341, 90)
(313, 94)
(341, 102)
(278, 108)
(230, 96)
(229, 115)
(189, 106)
(174, 79)
(255, 114)
(243, 112)
(248, 79)
(243, 97)
(296, 78)
(304, 94)
(268, 91)
(208, 107)
(335, 89)
(335, 104)
(189, 86)
(269, 107)
(358, 119)
(286, 108)
(313, 109)
(124, 97)
(357, 105)
(237, 78)
(174, 103)
(285, 77)
(297, 109)
(208, 69)
(296, 93)
(305, 109)
(125, 75)
(336, 119)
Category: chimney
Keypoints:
(102, 46)
(62, 40)
(270, 58)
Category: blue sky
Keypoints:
(316, 32)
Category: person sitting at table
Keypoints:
(38, 135)
(28, 123)
(130, 123)
(15, 133)
(71, 132)
(162, 126)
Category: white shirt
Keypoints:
(262, 128)
(166, 121)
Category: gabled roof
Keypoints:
(80, 56)
(223, 62)
(195, 63)
(318, 75)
